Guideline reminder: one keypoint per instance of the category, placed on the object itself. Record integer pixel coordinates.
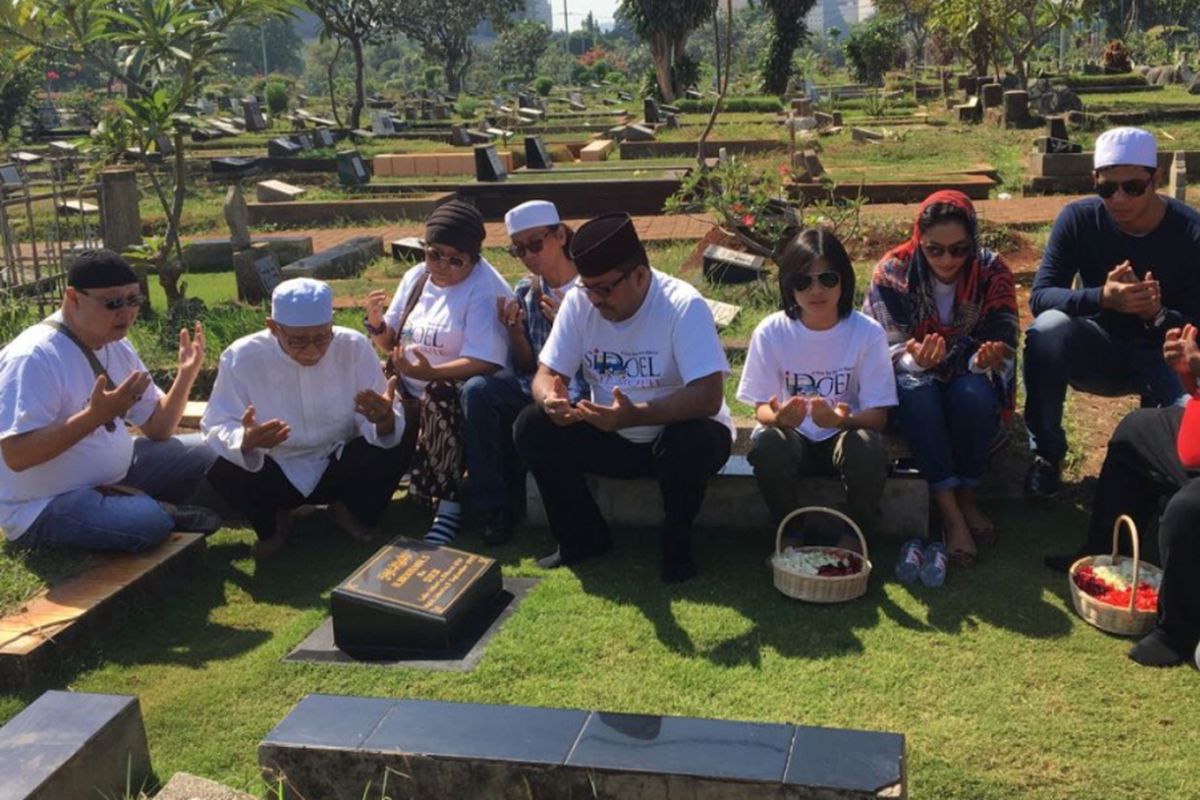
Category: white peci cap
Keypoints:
(1132, 147)
(533, 214)
(302, 302)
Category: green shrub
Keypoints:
(733, 105)
(277, 98)
(543, 85)
(1100, 80)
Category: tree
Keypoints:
(972, 28)
(872, 48)
(443, 29)
(354, 23)
(665, 26)
(914, 14)
(786, 33)
(160, 52)
(519, 48)
(274, 42)
(1024, 24)
(19, 81)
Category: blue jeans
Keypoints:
(490, 405)
(950, 427)
(1076, 351)
(167, 471)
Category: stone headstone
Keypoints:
(1177, 182)
(992, 95)
(970, 111)
(382, 124)
(488, 166)
(722, 265)
(812, 164)
(323, 137)
(409, 249)
(10, 176)
(1056, 127)
(965, 83)
(536, 155)
(283, 147)
(639, 133)
(274, 191)
(1016, 107)
(650, 111)
(303, 139)
(237, 216)
(269, 273)
(351, 170)
(864, 135)
(1047, 144)
(802, 106)
(252, 113)
(823, 119)
(459, 136)
(1058, 100)
(411, 597)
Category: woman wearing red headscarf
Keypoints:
(949, 307)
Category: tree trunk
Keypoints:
(660, 52)
(337, 51)
(360, 89)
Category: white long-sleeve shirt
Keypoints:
(316, 402)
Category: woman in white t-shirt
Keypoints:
(441, 329)
(820, 378)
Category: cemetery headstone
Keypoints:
(650, 111)
(459, 136)
(992, 95)
(1056, 127)
(304, 140)
(724, 266)
(237, 216)
(411, 597)
(488, 166)
(282, 147)
(440, 112)
(225, 102)
(351, 170)
(536, 155)
(48, 117)
(274, 191)
(252, 113)
(269, 273)
(575, 101)
(10, 176)
(382, 124)
(409, 249)
(1047, 144)
(324, 137)
(1016, 107)
(301, 100)
(802, 106)
(639, 133)
(1177, 182)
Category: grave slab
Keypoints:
(857, 763)
(341, 261)
(274, 191)
(217, 254)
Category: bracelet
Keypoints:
(371, 329)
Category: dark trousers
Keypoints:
(363, 480)
(1140, 469)
(683, 457)
(490, 404)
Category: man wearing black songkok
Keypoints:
(71, 475)
(649, 351)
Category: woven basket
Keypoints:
(819, 588)
(1120, 621)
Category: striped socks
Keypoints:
(446, 522)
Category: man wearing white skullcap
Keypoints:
(491, 402)
(1136, 255)
(301, 414)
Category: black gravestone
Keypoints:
(235, 166)
(488, 166)
(412, 597)
(253, 116)
(536, 156)
(10, 176)
(725, 266)
(269, 273)
(324, 137)
(351, 170)
(1046, 144)
(1056, 128)
(283, 147)
(459, 136)
(650, 111)
(409, 249)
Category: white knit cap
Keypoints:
(533, 214)
(302, 302)
(1130, 147)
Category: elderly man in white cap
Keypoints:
(301, 414)
(1136, 254)
(491, 402)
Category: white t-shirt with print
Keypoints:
(44, 379)
(452, 322)
(670, 341)
(848, 363)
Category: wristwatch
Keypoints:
(1160, 319)
(371, 329)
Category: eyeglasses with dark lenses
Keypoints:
(802, 283)
(519, 250)
(1132, 188)
(956, 250)
(602, 292)
(306, 342)
(117, 303)
(434, 256)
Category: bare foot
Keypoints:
(959, 542)
(341, 516)
(265, 548)
(981, 528)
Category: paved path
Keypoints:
(1017, 211)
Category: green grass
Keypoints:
(23, 574)
(1001, 691)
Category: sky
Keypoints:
(578, 9)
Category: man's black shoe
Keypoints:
(196, 519)
(497, 527)
(1042, 479)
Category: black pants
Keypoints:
(683, 457)
(1142, 467)
(363, 479)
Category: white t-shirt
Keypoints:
(450, 322)
(45, 378)
(849, 363)
(317, 403)
(669, 342)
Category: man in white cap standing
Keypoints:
(301, 415)
(648, 347)
(491, 402)
(1137, 256)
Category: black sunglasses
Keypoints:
(956, 250)
(602, 292)
(519, 250)
(117, 303)
(802, 283)
(1132, 188)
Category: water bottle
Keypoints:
(908, 565)
(933, 573)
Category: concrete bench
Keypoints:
(74, 745)
(334, 746)
(734, 501)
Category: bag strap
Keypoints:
(98, 369)
(414, 297)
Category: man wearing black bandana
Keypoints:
(71, 475)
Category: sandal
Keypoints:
(961, 558)
(985, 536)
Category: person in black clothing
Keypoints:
(1137, 255)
